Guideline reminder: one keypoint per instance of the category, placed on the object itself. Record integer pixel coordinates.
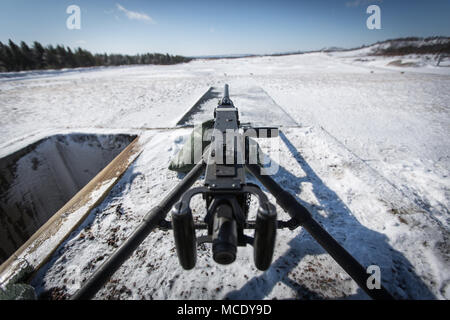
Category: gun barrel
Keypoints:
(226, 94)
(226, 97)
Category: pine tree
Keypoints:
(50, 59)
(27, 56)
(38, 55)
(61, 57)
(17, 60)
(3, 58)
(70, 59)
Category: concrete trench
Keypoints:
(36, 181)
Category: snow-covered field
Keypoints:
(364, 145)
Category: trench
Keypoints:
(36, 181)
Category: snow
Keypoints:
(366, 152)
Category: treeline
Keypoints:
(20, 57)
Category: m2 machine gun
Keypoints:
(227, 194)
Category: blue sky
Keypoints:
(218, 27)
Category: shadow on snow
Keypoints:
(367, 246)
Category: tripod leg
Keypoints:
(304, 218)
(151, 220)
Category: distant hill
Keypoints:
(390, 47)
(410, 45)
(332, 49)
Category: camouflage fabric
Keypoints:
(184, 160)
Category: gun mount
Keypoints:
(226, 194)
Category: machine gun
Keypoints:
(227, 195)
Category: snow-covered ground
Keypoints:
(365, 147)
